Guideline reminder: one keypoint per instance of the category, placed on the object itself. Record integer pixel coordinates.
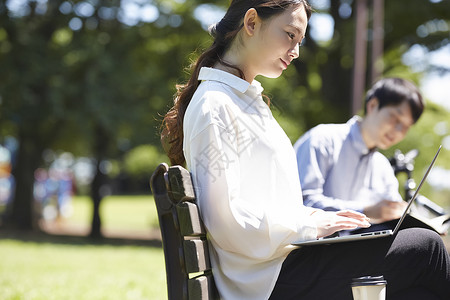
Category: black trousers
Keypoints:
(415, 264)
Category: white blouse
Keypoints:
(245, 175)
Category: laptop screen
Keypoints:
(410, 201)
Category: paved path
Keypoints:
(152, 234)
(63, 228)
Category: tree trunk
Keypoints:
(22, 214)
(96, 196)
(100, 150)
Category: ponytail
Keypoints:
(172, 126)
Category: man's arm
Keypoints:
(389, 204)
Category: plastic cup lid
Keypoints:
(368, 280)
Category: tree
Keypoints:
(79, 78)
(88, 77)
(30, 92)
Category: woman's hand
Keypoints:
(328, 222)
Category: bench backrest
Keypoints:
(183, 235)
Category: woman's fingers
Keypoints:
(330, 222)
(353, 214)
(358, 220)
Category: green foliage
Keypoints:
(85, 83)
(141, 161)
(62, 83)
(100, 89)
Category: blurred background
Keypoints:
(84, 86)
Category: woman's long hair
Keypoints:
(224, 32)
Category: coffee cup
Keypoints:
(369, 288)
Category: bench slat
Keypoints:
(181, 188)
(189, 220)
(202, 287)
(196, 255)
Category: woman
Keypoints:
(244, 170)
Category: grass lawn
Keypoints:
(44, 267)
(45, 271)
(119, 213)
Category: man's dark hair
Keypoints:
(393, 92)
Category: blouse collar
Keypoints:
(254, 89)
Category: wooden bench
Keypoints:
(188, 268)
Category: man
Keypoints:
(339, 165)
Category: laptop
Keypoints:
(374, 234)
